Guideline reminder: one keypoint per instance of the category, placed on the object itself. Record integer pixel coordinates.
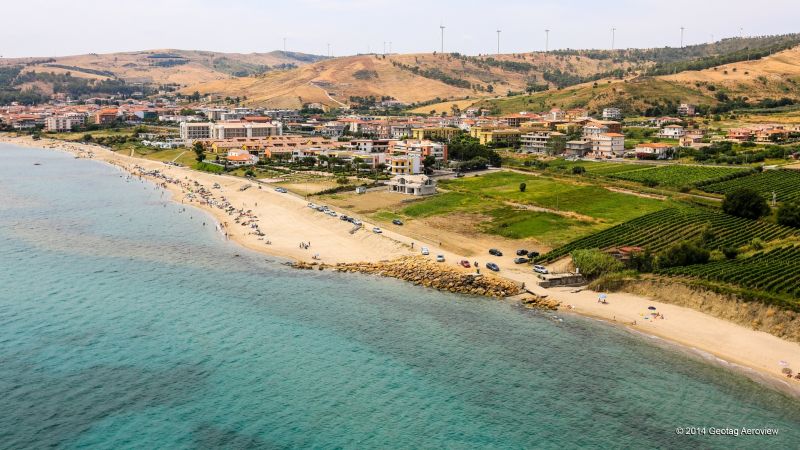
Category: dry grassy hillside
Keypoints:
(770, 77)
(409, 78)
(181, 67)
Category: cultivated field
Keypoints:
(675, 176)
(785, 184)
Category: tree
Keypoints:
(789, 214)
(593, 262)
(522, 187)
(199, 151)
(428, 163)
(745, 202)
(683, 254)
(578, 170)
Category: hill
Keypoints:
(757, 82)
(410, 78)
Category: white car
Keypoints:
(425, 251)
(331, 213)
(540, 269)
(377, 230)
(439, 258)
(312, 205)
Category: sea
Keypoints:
(128, 321)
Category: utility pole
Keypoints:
(498, 42)
(329, 49)
(390, 47)
(284, 45)
(384, 48)
(682, 28)
(613, 36)
(442, 28)
(546, 41)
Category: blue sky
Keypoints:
(50, 27)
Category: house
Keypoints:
(608, 145)
(412, 185)
(686, 109)
(672, 132)
(241, 158)
(404, 164)
(555, 115)
(578, 147)
(592, 130)
(515, 120)
(740, 134)
(550, 142)
(105, 116)
(654, 150)
(612, 114)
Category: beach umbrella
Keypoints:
(651, 308)
(602, 296)
(783, 363)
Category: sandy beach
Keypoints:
(286, 222)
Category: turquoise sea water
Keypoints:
(125, 323)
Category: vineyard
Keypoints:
(676, 176)
(785, 184)
(776, 271)
(661, 229)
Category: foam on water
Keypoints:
(127, 323)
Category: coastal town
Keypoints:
(656, 190)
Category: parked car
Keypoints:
(356, 222)
(345, 218)
(425, 251)
(493, 267)
(331, 213)
(377, 230)
(397, 222)
(465, 264)
(439, 258)
(459, 175)
(495, 252)
(281, 190)
(522, 252)
(312, 205)
(540, 269)
(521, 260)
(533, 254)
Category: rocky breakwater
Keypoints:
(423, 272)
(540, 303)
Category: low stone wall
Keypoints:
(424, 272)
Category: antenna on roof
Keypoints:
(546, 41)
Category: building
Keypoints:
(241, 158)
(66, 122)
(612, 114)
(105, 116)
(578, 147)
(592, 130)
(404, 164)
(550, 142)
(686, 109)
(608, 145)
(192, 131)
(422, 148)
(412, 185)
(500, 138)
(515, 120)
(654, 150)
(672, 132)
(441, 133)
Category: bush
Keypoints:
(683, 254)
(745, 202)
(578, 170)
(522, 187)
(208, 167)
(730, 252)
(342, 180)
(593, 263)
(789, 214)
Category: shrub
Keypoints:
(578, 170)
(730, 252)
(789, 214)
(745, 202)
(522, 187)
(342, 180)
(593, 263)
(683, 254)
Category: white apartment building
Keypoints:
(672, 132)
(191, 131)
(64, 122)
(608, 145)
(404, 164)
(422, 148)
(551, 142)
(593, 130)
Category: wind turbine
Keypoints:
(284, 45)
(546, 40)
(329, 49)
(682, 29)
(442, 28)
(613, 36)
(498, 41)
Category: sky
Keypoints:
(58, 28)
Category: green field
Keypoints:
(675, 176)
(576, 209)
(661, 229)
(785, 184)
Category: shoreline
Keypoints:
(287, 222)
